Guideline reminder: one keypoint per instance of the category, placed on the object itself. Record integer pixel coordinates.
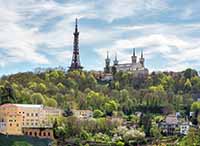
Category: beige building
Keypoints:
(84, 114)
(10, 119)
(17, 119)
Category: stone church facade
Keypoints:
(135, 66)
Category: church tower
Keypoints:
(142, 59)
(115, 62)
(134, 57)
(75, 64)
(107, 64)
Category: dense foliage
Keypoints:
(158, 93)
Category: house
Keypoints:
(184, 128)
(83, 114)
(170, 125)
(107, 77)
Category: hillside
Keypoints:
(154, 96)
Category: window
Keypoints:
(27, 114)
(10, 124)
(17, 125)
(32, 114)
(36, 114)
(35, 133)
(49, 134)
(44, 134)
(30, 133)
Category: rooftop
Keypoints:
(29, 105)
(171, 119)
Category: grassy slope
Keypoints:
(8, 141)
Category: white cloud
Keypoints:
(116, 9)
(172, 42)
(21, 29)
(31, 29)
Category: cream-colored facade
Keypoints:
(84, 114)
(16, 117)
(10, 119)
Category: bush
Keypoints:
(119, 143)
(98, 114)
(21, 143)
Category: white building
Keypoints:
(184, 128)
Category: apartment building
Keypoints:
(26, 119)
(10, 119)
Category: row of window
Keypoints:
(12, 125)
(37, 134)
(32, 114)
(32, 124)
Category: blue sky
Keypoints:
(39, 33)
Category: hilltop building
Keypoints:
(133, 66)
(76, 64)
(27, 119)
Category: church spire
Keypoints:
(116, 61)
(134, 52)
(107, 54)
(107, 64)
(142, 54)
(142, 58)
(134, 57)
(75, 64)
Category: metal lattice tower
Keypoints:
(76, 64)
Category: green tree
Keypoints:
(37, 98)
(51, 102)
(187, 85)
(192, 138)
(110, 106)
(134, 136)
(98, 114)
(189, 73)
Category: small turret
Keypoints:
(134, 57)
(107, 64)
(142, 59)
(115, 62)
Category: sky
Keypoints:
(39, 33)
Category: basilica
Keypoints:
(134, 66)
